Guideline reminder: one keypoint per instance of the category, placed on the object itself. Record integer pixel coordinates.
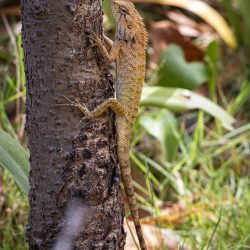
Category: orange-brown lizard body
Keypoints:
(128, 51)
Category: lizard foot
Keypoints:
(77, 105)
(95, 39)
(71, 103)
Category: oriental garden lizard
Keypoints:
(128, 51)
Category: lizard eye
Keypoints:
(130, 26)
(123, 11)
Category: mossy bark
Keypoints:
(74, 169)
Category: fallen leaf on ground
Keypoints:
(155, 237)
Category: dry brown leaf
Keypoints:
(11, 10)
(178, 212)
(163, 33)
(155, 238)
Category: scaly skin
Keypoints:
(128, 51)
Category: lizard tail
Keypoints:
(129, 190)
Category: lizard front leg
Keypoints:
(116, 47)
(112, 103)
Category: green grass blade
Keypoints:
(15, 159)
(241, 98)
(214, 231)
(143, 168)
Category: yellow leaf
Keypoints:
(204, 11)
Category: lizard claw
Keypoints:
(71, 103)
(94, 39)
(75, 103)
(93, 34)
(82, 119)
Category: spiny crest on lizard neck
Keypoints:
(129, 22)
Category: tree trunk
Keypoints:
(75, 199)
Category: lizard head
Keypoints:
(128, 20)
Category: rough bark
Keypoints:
(74, 177)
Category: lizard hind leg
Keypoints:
(112, 103)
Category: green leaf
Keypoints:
(182, 99)
(162, 127)
(213, 52)
(175, 71)
(15, 159)
(212, 58)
